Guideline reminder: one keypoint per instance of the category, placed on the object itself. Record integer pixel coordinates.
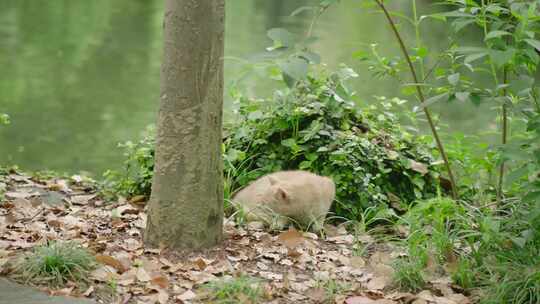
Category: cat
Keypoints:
(299, 195)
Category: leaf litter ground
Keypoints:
(289, 267)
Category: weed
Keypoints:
(332, 288)
(55, 264)
(408, 275)
(242, 289)
(463, 274)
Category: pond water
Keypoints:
(80, 76)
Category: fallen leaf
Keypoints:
(341, 239)
(186, 296)
(291, 238)
(317, 295)
(14, 195)
(359, 300)
(104, 274)
(163, 297)
(142, 275)
(109, 260)
(160, 281)
(82, 199)
(357, 262)
(377, 283)
(201, 264)
(62, 292)
(88, 291)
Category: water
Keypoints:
(80, 76)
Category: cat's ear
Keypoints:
(272, 180)
(281, 195)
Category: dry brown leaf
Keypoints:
(104, 274)
(88, 291)
(200, 263)
(62, 292)
(341, 239)
(377, 283)
(109, 260)
(357, 262)
(291, 238)
(163, 297)
(359, 300)
(138, 200)
(317, 295)
(160, 281)
(128, 277)
(186, 296)
(82, 199)
(142, 275)
(14, 195)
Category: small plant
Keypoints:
(55, 264)
(520, 286)
(136, 177)
(242, 289)
(408, 275)
(332, 288)
(463, 274)
(4, 119)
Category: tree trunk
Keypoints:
(186, 204)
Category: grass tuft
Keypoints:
(56, 263)
(408, 276)
(242, 289)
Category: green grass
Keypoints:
(242, 289)
(463, 275)
(408, 276)
(332, 288)
(55, 264)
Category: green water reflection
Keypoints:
(80, 76)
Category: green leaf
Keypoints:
(281, 37)
(255, 115)
(295, 67)
(462, 96)
(289, 142)
(475, 99)
(470, 49)
(432, 100)
(454, 79)
(495, 34)
(534, 43)
(532, 196)
(473, 57)
(408, 90)
(501, 58)
(310, 56)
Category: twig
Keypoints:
(422, 99)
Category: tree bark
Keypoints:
(186, 204)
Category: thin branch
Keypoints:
(421, 98)
(504, 135)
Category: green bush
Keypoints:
(315, 125)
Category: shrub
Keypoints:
(315, 125)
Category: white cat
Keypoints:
(300, 195)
